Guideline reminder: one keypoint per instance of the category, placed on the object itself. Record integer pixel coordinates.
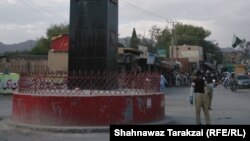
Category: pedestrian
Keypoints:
(163, 82)
(201, 98)
(209, 85)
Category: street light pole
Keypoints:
(173, 38)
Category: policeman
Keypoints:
(201, 99)
(209, 87)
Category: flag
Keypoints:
(236, 41)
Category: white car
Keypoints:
(243, 81)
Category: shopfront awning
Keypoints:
(169, 64)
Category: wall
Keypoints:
(58, 61)
(193, 53)
(8, 83)
(80, 110)
(17, 64)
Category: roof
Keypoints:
(129, 50)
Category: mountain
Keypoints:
(27, 45)
(231, 49)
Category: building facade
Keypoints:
(193, 53)
(58, 54)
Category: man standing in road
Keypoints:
(209, 88)
(201, 99)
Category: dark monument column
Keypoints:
(93, 35)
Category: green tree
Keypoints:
(245, 45)
(218, 55)
(190, 35)
(147, 43)
(155, 33)
(134, 41)
(43, 44)
(57, 30)
(42, 47)
(211, 48)
(162, 37)
(164, 41)
(194, 35)
(184, 35)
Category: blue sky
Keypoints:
(28, 19)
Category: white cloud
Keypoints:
(29, 19)
(142, 27)
(222, 17)
(14, 33)
(8, 2)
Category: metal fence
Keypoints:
(89, 83)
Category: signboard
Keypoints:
(162, 53)
(8, 83)
(151, 59)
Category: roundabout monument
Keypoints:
(92, 92)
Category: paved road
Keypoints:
(228, 108)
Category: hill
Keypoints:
(27, 45)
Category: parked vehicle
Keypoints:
(243, 81)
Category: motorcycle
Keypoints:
(233, 85)
(226, 82)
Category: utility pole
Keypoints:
(173, 38)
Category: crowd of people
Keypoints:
(177, 79)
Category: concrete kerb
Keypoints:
(63, 129)
(59, 129)
(166, 121)
(6, 94)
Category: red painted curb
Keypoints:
(61, 110)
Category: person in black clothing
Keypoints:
(209, 87)
(201, 99)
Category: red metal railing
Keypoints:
(89, 83)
